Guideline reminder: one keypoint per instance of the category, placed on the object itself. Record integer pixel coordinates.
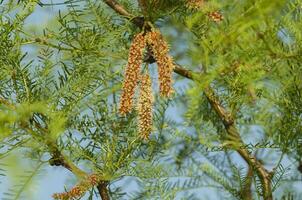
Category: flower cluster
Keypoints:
(215, 16)
(80, 189)
(135, 60)
(194, 4)
(164, 61)
(154, 41)
(144, 107)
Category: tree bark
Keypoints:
(102, 188)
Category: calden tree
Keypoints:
(187, 99)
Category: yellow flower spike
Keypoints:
(80, 189)
(144, 107)
(132, 71)
(164, 61)
(194, 4)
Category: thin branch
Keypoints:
(58, 159)
(225, 116)
(6, 103)
(118, 8)
(42, 41)
(183, 72)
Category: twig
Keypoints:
(117, 7)
(45, 42)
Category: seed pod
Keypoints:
(144, 107)
(165, 64)
(132, 71)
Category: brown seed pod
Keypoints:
(144, 107)
(165, 64)
(132, 71)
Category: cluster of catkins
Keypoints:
(154, 41)
(79, 190)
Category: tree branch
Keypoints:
(118, 8)
(246, 192)
(230, 126)
(227, 119)
(102, 188)
(58, 159)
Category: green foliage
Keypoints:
(60, 88)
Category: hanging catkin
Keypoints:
(165, 64)
(79, 190)
(159, 49)
(144, 107)
(135, 59)
(215, 16)
(194, 4)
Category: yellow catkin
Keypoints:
(135, 59)
(194, 4)
(164, 61)
(80, 189)
(215, 16)
(144, 107)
